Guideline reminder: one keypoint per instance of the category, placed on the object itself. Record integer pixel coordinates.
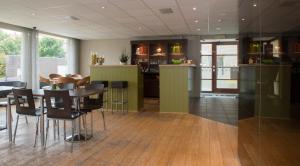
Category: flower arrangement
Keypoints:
(124, 57)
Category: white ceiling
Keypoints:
(122, 18)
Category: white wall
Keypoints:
(110, 49)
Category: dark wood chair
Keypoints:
(93, 103)
(63, 112)
(25, 106)
(44, 82)
(83, 82)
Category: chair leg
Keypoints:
(47, 130)
(103, 117)
(36, 131)
(85, 128)
(92, 124)
(54, 131)
(58, 129)
(26, 120)
(79, 127)
(65, 130)
(73, 124)
(16, 127)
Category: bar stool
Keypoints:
(119, 95)
(105, 92)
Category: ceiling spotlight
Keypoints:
(220, 20)
(33, 14)
(140, 28)
(102, 7)
(243, 19)
(218, 28)
(194, 8)
(254, 4)
(198, 29)
(196, 21)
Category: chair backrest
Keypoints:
(65, 80)
(67, 86)
(76, 75)
(27, 105)
(58, 110)
(44, 80)
(52, 76)
(84, 81)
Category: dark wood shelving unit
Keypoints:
(149, 54)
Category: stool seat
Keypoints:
(105, 83)
(119, 84)
(119, 95)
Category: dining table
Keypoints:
(75, 94)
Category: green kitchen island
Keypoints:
(176, 86)
(130, 73)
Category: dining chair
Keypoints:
(63, 112)
(26, 108)
(44, 82)
(93, 103)
(83, 82)
(65, 80)
(54, 76)
(76, 75)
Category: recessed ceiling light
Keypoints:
(102, 7)
(218, 28)
(196, 21)
(33, 14)
(254, 4)
(194, 8)
(140, 28)
(220, 20)
(243, 19)
(198, 29)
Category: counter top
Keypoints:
(113, 65)
(180, 65)
(263, 65)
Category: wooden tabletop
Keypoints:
(82, 92)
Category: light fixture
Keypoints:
(218, 28)
(254, 4)
(140, 28)
(220, 20)
(33, 14)
(196, 21)
(194, 8)
(102, 7)
(198, 29)
(243, 19)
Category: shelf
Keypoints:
(176, 54)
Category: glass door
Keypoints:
(219, 67)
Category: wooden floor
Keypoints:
(146, 138)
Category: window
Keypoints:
(10, 55)
(52, 55)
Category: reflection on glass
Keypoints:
(227, 61)
(206, 61)
(227, 84)
(206, 73)
(206, 49)
(227, 49)
(206, 85)
(227, 73)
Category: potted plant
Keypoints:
(124, 57)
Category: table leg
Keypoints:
(42, 123)
(9, 121)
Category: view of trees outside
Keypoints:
(51, 47)
(52, 55)
(10, 45)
